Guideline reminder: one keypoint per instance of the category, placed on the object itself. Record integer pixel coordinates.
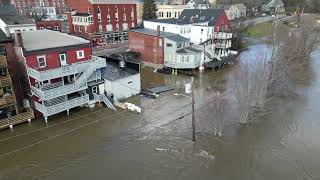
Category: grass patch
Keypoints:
(259, 30)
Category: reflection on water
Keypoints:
(100, 144)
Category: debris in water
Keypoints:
(166, 150)
(205, 154)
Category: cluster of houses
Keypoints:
(47, 66)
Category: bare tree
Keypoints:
(290, 61)
(251, 81)
(212, 115)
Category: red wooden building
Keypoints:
(61, 72)
(104, 22)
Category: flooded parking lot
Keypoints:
(102, 144)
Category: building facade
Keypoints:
(234, 11)
(166, 49)
(12, 110)
(104, 22)
(54, 25)
(206, 29)
(26, 6)
(170, 11)
(62, 73)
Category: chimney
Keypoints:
(19, 41)
(158, 30)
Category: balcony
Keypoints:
(222, 35)
(68, 70)
(5, 81)
(60, 104)
(7, 100)
(3, 61)
(17, 119)
(54, 90)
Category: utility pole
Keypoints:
(193, 115)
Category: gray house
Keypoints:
(273, 7)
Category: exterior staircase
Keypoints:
(105, 100)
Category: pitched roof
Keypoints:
(46, 39)
(177, 38)
(15, 19)
(172, 36)
(191, 16)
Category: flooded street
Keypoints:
(156, 144)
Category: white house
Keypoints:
(198, 4)
(233, 11)
(205, 28)
(273, 7)
(170, 11)
(120, 80)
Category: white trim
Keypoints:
(45, 61)
(78, 54)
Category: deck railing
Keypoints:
(63, 106)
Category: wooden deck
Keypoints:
(7, 101)
(3, 61)
(17, 119)
(5, 81)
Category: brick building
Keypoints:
(12, 110)
(49, 24)
(25, 6)
(61, 72)
(104, 22)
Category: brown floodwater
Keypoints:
(101, 144)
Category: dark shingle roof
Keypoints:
(4, 38)
(200, 15)
(15, 19)
(7, 10)
(171, 36)
(177, 38)
(190, 16)
(113, 72)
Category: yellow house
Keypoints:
(170, 11)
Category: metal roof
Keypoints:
(7, 10)
(47, 39)
(113, 72)
(172, 36)
(188, 50)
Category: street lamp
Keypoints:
(189, 89)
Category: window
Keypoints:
(56, 28)
(169, 45)
(163, 28)
(41, 28)
(201, 31)
(42, 61)
(80, 54)
(62, 57)
(94, 89)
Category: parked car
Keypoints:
(288, 14)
